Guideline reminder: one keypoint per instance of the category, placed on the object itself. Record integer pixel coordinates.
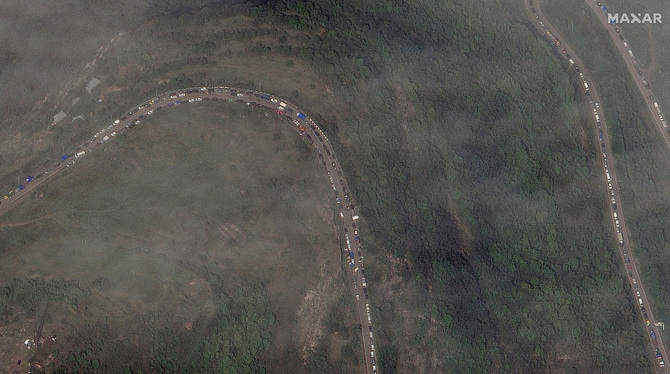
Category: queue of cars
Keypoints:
(615, 216)
(349, 217)
(255, 99)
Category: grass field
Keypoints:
(171, 225)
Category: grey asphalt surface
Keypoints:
(313, 134)
(625, 250)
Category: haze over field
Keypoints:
(207, 239)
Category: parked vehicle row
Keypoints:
(304, 125)
(617, 217)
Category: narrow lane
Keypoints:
(610, 178)
(353, 250)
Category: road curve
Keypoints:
(303, 124)
(610, 179)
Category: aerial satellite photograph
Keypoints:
(318, 186)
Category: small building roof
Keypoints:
(76, 101)
(91, 84)
(59, 116)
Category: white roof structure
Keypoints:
(59, 116)
(92, 84)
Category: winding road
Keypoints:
(303, 124)
(610, 179)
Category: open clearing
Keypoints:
(159, 227)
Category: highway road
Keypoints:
(352, 250)
(610, 179)
(635, 70)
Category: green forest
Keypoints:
(489, 191)
(229, 343)
(472, 162)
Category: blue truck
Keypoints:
(301, 116)
(64, 157)
(29, 179)
(351, 255)
(601, 137)
(652, 333)
(264, 96)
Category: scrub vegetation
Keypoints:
(473, 166)
(194, 243)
